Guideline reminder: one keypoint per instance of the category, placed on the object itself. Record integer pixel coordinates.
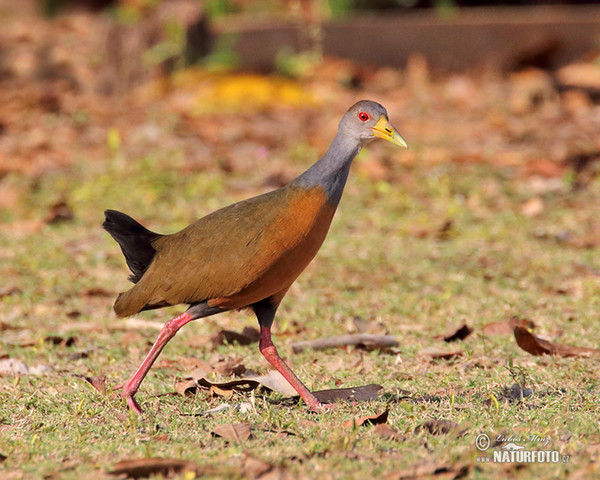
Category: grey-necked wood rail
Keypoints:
(246, 255)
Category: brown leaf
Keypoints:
(253, 467)
(60, 341)
(436, 354)
(460, 333)
(538, 346)
(2, 458)
(248, 336)
(146, 467)
(506, 328)
(59, 212)
(97, 292)
(273, 381)
(368, 420)
(220, 392)
(190, 386)
(98, 382)
(233, 432)
(440, 427)
(353, 394)
(360, 340)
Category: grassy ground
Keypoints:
(388, 259)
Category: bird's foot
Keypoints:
(128, 395)
(131, 401)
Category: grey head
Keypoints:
(366, 120)
(361, 124)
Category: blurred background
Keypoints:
(254, 88)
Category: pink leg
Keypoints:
(270, 353)
(167, 332)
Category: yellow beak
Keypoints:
(383, 129)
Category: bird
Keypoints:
(243, 256)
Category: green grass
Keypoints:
(384, 261)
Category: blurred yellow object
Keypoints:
(230, 92)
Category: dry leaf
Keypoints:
(233, 432)
(363, 340)
(190, 386)
(11, 367)
(59, 212)
(538, 346)
(436, 354)
(146, 467)
(453, 335)
(273, 381)
(253, 467)
(220, 392)
(506, 328)
(353, 394)
(368, 420)
(98, 382)
(97, 292)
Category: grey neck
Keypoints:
(331, 171)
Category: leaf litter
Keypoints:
(538, 346)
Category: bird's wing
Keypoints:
(224, 252)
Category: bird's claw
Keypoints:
(129, 397)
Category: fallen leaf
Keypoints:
(368, 420)
(11, 367)
(146, 467)
(233, 432)
(253, 467)
(538, 346)
(248, 336)
(60, 341)
(506, 328)
(353, 394)
(220, 392)
(98, 382)
(186, 387)
(273, 381)
(460, 333)
(436, 354)
(440, 427)
(59, 212)
(190, 386)
(363, 340)
(97, 292)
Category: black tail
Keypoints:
(134, 239)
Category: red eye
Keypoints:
(364, 116)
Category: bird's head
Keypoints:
(367, 120)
